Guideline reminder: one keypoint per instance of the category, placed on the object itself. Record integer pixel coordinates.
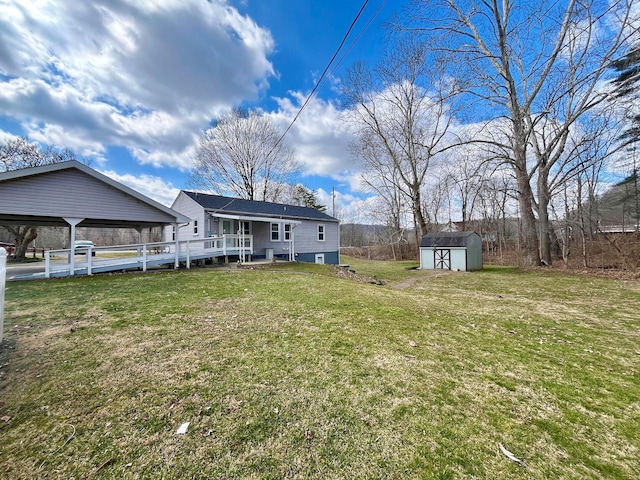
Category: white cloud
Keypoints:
(147, 76)
(148, 185)
(320, 137)
(349, 208)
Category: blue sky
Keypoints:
(131, 85)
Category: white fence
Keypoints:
(88, 260)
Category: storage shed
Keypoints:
(451, 251)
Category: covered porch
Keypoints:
(270, 238)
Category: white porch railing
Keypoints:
(88, 260)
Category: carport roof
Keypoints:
(49, 194)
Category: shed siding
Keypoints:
(474, 253)
(72, 193)
(459, 259)
(465, 250)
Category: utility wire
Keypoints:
(353, 44)
(322, 77)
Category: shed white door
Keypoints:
(320, 258)
(442, 259)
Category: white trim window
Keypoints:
(173, 233)
(321, 232)
(275, 232)
(195, 227)
(287, 232)
(245, 227)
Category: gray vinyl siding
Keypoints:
(72, 193)
(191, 210)
(307, 244)
(306, 237)
(305, 234)
(262, 240)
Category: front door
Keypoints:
(320, 258)
(442, 259)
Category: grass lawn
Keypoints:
(295, 372)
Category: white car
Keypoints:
(82, 247)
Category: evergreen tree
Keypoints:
(307, 198)
(626, 85)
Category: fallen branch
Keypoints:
(99, 467)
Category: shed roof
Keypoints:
(48, 194)
(239, 206)
(447, 239)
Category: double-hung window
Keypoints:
(195, 227)
(287, 232)
(321, 232)
(275, 232)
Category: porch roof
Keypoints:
(256, 219)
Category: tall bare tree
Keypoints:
(530, 62)
(242, 155)
(402, 120)
(18, 153)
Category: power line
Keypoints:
(353, 44)
(322, 77)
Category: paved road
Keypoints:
(25, 271)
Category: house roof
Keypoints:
(447, 239)
(48, 194)
(239, 206)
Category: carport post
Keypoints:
(72, 245)
(3, 281)
(177, 240)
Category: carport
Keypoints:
(75, 195)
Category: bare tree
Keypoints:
(18, 153)
(242, 155)
(466, 171)
(382, 179)
(402, 120)
(528, 62)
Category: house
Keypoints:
(268, 230)
(451, 251)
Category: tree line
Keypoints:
(510, 109)
(497, 103)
